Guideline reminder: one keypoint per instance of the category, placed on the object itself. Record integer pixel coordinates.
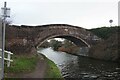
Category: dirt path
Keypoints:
(39, 71)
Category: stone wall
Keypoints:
(19, 40)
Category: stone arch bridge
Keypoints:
(25, 39)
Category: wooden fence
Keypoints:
(8, 59)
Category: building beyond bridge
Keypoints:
(25, 39)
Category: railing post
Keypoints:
(8, 59)
(8, 62)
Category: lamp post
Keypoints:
(111, 21)
(5, 14)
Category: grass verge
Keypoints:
(52, 70)
(25, 64)
(22, 64)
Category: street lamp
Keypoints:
(5, 14)
(111, 21)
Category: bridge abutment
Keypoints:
(21, 49)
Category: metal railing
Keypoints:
(8, 59)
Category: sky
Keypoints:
(83, 13)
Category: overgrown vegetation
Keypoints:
(68, 47)
(46, 44)
(104, 32)
(110, 47)
(55, 44)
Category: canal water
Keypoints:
(72, 66)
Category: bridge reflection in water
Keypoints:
(81, 67)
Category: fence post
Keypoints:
(8, 59)
(8, 62)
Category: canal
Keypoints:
(84, 68)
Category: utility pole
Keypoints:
(119, 13)
(5, 14)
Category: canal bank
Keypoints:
(52, 71)
(42, 68)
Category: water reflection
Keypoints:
(57, 57)
(83, 68)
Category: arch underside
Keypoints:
(77, 41)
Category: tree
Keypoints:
(67, 43)
(45, 44)
(55, 44)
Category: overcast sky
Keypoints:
(83, 13)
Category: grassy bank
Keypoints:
(25, 64)
(22, 64)
(52, 71)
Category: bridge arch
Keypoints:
(25, 39)
(78, 35)
(76, 40)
